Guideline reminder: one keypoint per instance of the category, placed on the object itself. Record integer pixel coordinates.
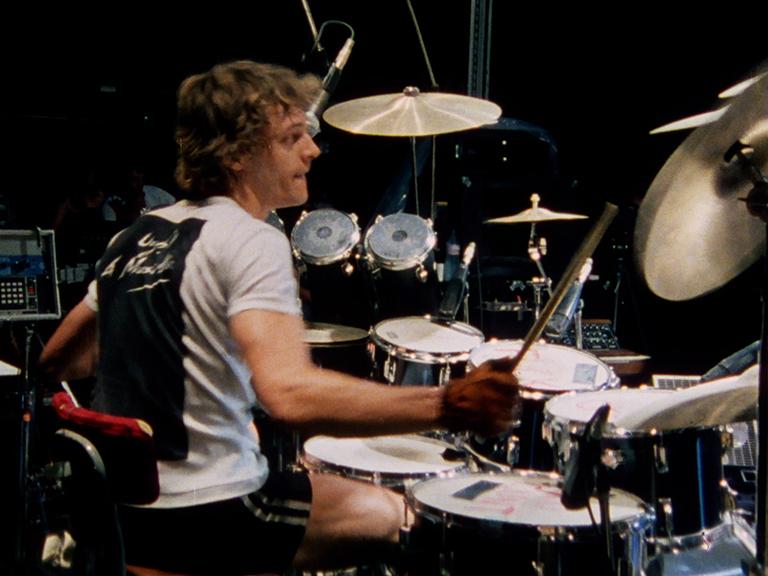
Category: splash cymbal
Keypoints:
(693, 233)
(534, 214)
(412, 113)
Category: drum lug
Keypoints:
(378, 219)
(665, 506)
(389, 369)
(661, 458)
(353, 216)
(347, 269)
(421, 274)
(726, 438)
(612, 458)
(729, 497)
(444, 375)
(513, 450)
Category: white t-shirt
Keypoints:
(165, 289)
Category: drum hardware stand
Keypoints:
(539, 285)
(586, 475)
(537, 248)
(757, 205)
(570, 275)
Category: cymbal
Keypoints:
(534, 214)
(693, 234)
(691, 121)
(412, 113)
(324, 334)
(723, 401)
(737, 89)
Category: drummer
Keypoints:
(193, 319)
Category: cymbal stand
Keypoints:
(757, 204)
(27, 421)
(537, 248)
(577, 326)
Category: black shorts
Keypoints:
(259, 532)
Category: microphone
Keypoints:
(563, 315)
(454, 292)
(579, 478)
(329, 85)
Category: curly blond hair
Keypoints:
(223, 114)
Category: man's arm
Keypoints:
(297, 393)
(73, 350)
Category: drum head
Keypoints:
(400, 241)
(324, 236)
(512, 499)
(577, 409)
(549, 368)
(424, 335)
(396, 457)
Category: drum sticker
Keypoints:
(585, 374)
(474, 490)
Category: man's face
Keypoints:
(278, 172)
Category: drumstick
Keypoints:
(569, 277)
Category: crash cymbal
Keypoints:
(412, 113)
(693, 234)
(691, 121)
(737, 89)
(534, 214)
(713, 115)
(716, 403)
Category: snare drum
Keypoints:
(398, 249)
(679, 471)
(324, 244)
(546, 371)
(390, 461)
(422, 351)
(515, 524)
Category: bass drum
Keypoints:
(515, 524)
(399, 252)
(325, 244)
(546, 371)
(420, 351)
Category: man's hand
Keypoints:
(486, 401)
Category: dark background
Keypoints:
(89, 87)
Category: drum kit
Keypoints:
(479, 504)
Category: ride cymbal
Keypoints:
(412, 113)
(693, 233)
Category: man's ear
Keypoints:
(233, 164)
